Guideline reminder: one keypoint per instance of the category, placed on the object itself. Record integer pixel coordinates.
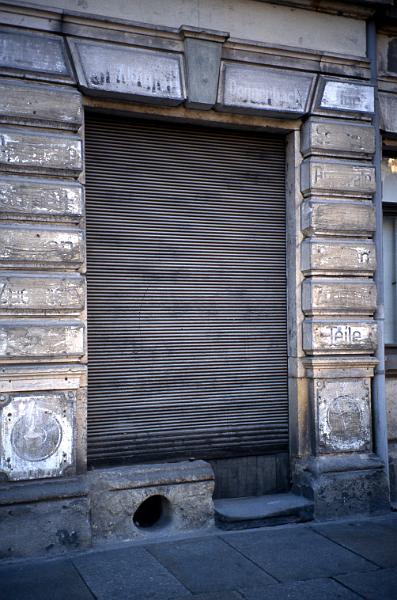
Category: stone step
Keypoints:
(262, 511)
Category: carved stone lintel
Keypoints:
(113, 70)
(40, 54)
(344, 97)
(252, 89)
(40, 199)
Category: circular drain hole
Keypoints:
(155, 511)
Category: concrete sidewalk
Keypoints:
(313, 561)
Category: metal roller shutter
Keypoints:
(186, 291)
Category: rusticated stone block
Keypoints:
(40, 53)
(37, 434)
(320, 217)
(185, 487)
(48, 528)
(253, 89)
(30, 339)
(334, 257)
(325, 336)
(341, 96)
(337, 177)
(23, 293)
(40, 199)
(40, 152)
(47, 105)
(105, 69)
(35, 246)
(343, 409)
(337, 138)
(335, 296)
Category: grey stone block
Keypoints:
(347, 493)
(337, 336)
(186, 489)
(243, 513)
(21, 339)
(345, 97)
(209, 565)
(203, 60)
(337, 138)
(375, 539)
(37, 247)
(255, 89)
(41, 199)
(41, 54)
(381, 585)
(39, 104)
(280, 553)
(40, 152)
(337, 177)
(44, 528)
(25, 293)
(342, 217)
(338, 296)
(138, 74)
(57, 580)
(338, 257)
(130, 574)
(326, 589)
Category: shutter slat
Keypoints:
(186, 291)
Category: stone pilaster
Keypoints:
(42, 265)
(339, 336)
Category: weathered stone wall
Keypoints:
(42, 264)
(185, 73)
(339, 301)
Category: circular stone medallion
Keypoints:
(345, 418)
(36, 435)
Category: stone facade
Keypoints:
(52, 62)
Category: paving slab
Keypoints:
(209, 565)
(375, 540)
(376, 585)
(55, 580)
(297, 553)
(128, 574)
(214, 596)
(326, 589)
